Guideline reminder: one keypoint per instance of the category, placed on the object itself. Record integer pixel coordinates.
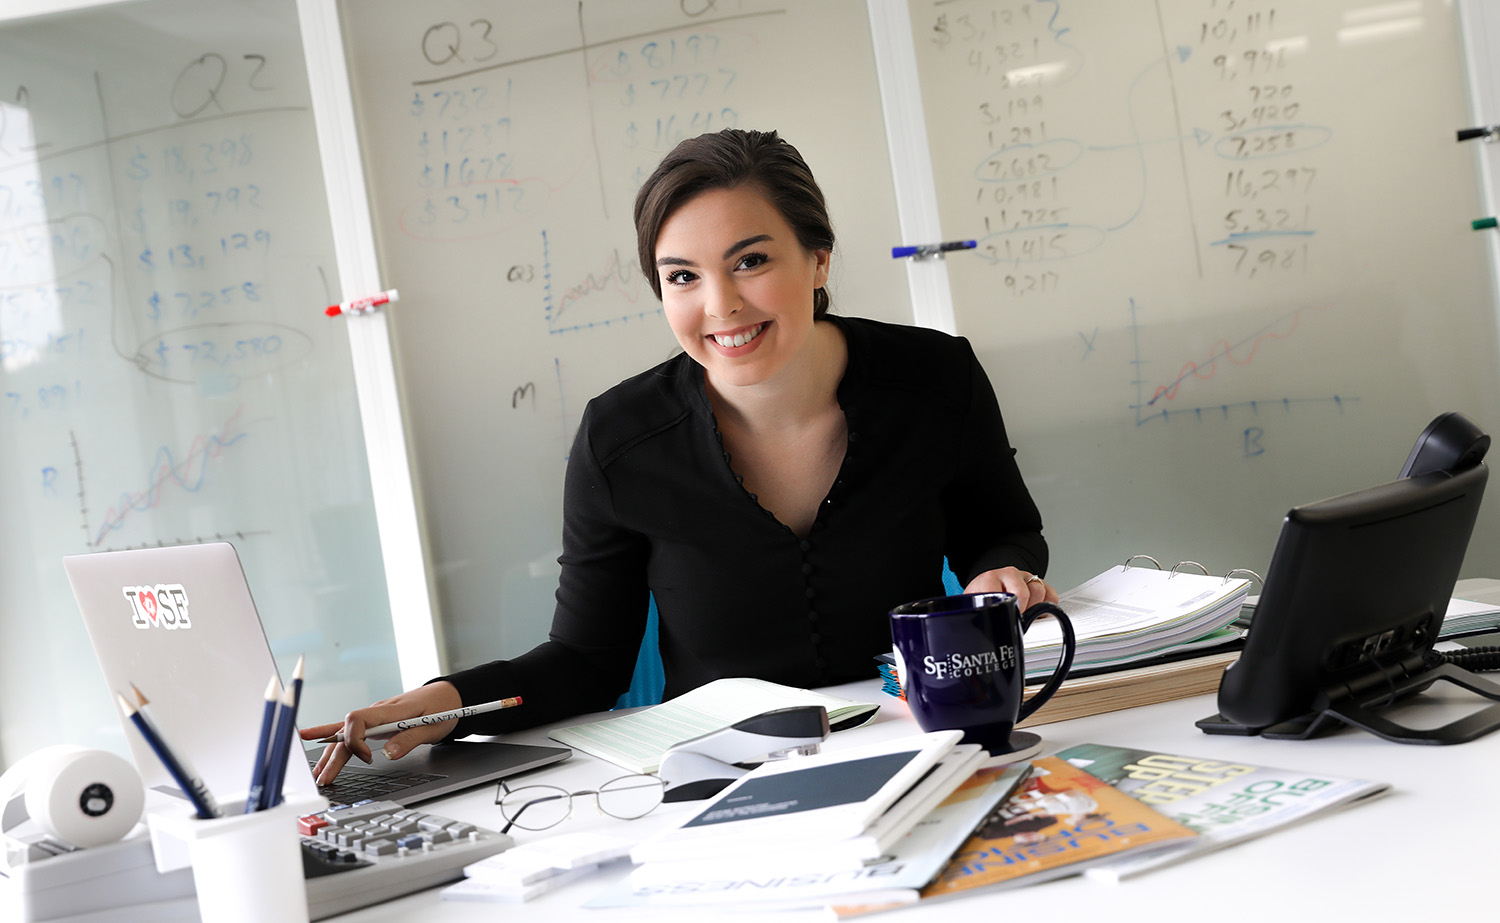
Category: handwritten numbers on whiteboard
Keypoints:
(259, 64)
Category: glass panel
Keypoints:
(1223, 246)
(168, 373)
(504, 143)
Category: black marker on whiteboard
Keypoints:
(923, 251)
(362, 305)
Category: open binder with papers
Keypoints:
(1133, 612)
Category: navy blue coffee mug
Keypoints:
(962, 666)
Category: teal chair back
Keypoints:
(648, 681)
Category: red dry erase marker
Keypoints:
(361, 305)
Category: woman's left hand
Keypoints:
(1029, 589)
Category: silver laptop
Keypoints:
(179, 623)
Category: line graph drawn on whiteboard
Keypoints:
(592, 302)
(185, 472)
(1154, 398)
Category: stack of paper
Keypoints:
(1467, 616)
(525, 871)
(765, 853)
(1131, 613)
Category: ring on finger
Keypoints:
(1035, 579)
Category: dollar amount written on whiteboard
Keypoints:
(1252, 261)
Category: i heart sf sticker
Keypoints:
(147, 600)
(164, 605)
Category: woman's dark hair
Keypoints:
(724, 160)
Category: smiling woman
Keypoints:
(737, 288)
(778, 486)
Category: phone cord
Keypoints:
(1474, 659)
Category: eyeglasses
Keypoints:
(537, 807)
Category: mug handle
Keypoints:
(1070, 644)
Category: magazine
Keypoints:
(1225, 802)
(1060, 822)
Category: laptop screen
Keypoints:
(179, 623)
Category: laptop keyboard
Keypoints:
(354, 784)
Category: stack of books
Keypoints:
(1163, 681)
(878, 820)
(1094, 693)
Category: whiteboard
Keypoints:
(504, 143)
(1159, 407)
(1224, 263)
(168, 373)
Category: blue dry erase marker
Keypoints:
(263, 747)
(192, 786)
(281, 744)
(925, 250)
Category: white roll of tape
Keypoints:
(13, 785)
(79, 796)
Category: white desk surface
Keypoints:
(1428, 849)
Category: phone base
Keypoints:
(1339, 711)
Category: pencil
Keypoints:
(192, 786)
(142, 706)
(396, 727)
(263, 746)
(281, 741)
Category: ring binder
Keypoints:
(1245, 570)
(1237, 572)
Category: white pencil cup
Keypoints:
(247, 868)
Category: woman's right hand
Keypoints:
(424, 700)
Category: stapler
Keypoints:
(703, 766)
